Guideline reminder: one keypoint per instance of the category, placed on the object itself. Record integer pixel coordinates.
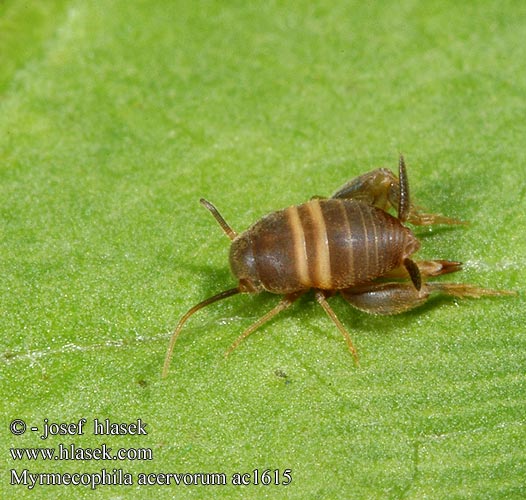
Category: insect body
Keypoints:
(348, 243)
(323, 244)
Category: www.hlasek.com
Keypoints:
(73, 452)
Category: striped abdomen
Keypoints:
(327, 244)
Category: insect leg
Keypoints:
(404, 201)
(406, 210)
(419, 218)
(284, 303)
(395, 298)
(414, 273)
(462, 290)
(321, 298)
(386, 298)
(382, 189)
(373, 188)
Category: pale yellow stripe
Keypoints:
(300, 248)
(322, 266)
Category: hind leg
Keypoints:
(382, 189)
(395, 298)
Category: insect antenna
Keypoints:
(182, 321)
(219, 218)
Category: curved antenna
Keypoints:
(182, 321)
(219, 218)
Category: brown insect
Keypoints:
(348, 243)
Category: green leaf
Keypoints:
(116, 118)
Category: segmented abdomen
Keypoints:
(328, 244)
